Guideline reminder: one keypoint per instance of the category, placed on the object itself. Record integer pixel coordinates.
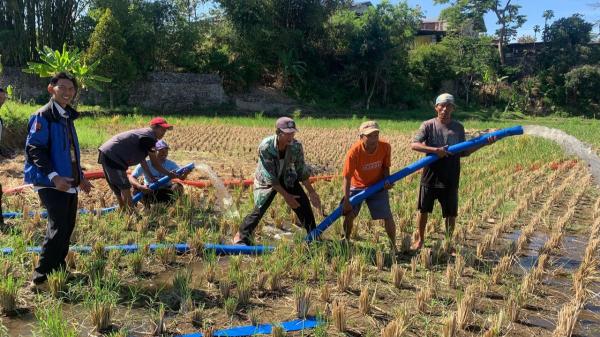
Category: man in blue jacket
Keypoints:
(53, 167)
(2, 99)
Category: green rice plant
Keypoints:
(51, 322)
(254, 317)
(95, 268)
(101, 302)
(57, 282)
(136, 262)
(114, 258)
(197, 317)
(225, 288)
(244, 290)
(183, 291)
(277, 331)
(230, 305)
(302, 300)
(166, 255)
(496, 322)
(158, 319)
(9, 287)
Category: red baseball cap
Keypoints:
(159, 121)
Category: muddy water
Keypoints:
(560, 282)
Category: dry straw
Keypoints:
(364, 306)
(449, 326)
(339, 315)
(397, 275)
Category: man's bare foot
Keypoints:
(416, 245)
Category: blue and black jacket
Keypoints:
(47, 148)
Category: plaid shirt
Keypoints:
(269, 168)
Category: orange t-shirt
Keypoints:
(365, 169)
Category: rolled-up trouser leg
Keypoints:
(62, 213)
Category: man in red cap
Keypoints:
(130, 148)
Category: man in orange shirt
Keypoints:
(367, 162)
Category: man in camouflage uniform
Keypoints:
(280, 169)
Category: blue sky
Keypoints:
(533, 9)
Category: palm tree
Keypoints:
(548, 15)
(536, 30)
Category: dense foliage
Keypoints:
(324, 52)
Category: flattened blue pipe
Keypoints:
(137, 197)
(262, 329)
(179, 248)
(419, 164)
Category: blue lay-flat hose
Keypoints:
(419, 164)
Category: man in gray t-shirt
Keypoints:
(440, 179)
(130, 148)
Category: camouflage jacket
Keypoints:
(269, 170)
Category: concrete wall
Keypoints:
(163, 92)
(168, 92)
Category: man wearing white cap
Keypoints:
(281, 169)
(367, 162)
(439, 180)
(166, 193)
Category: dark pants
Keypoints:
(304, 213)
(62, 212)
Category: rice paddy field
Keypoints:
(523, 260)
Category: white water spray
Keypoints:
(570, 144)
(224, 199)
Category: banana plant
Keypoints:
(70, 61)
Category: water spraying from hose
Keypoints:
(224, 199)
(570, 145)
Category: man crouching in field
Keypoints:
(367, 162)
(53, 167)
(164, 194)
(131, 148)
(280, 169)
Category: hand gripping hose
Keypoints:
(419, 164)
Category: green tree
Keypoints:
(371, 47)
(566, 46)
(506, 13)
(471, 59)
(106, 51)
(582, 85)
